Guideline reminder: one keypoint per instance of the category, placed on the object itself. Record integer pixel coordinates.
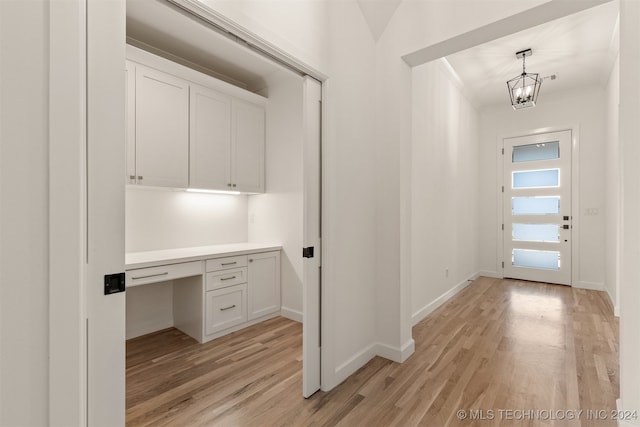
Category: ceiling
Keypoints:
(161, 28)
(578, 49)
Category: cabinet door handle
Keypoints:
(229, 263)
(132, 177)
(228, 278)
(139, 177)
(150, 275)
(233, 185)
(228, 308)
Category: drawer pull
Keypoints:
(228, 308)
(229, 263)
(150, 275)
(227, 278)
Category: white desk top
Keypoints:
(134, 260)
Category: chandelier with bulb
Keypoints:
(524, 89)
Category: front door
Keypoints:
(537, 207)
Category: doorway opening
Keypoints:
(287, 212)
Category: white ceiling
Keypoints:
(164, 29)
(579, 49)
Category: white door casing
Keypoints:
(537, 207)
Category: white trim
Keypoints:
(487, 273)
(364, 356)
(348, 368)
(398, 355)
(433, 305)
(575, 194)
(67, 219)
(616, 308)
(291, 314)
(624, 423)
(251, 39)
(594, 286)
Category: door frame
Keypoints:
(575, 195)
(70, 307)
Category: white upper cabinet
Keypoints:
(247, 150)
(161, 129)
(210, 139)
(190, 130)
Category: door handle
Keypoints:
(307, 252)
(566, 226)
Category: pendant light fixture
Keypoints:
(524, 88)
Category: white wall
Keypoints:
(350, 192)
(445, 187)
(161, 219)
(24, 228)
(277, 215)
(333, 38)
(630, 212)
(612, 188)
(414, 25)
(584, 108)
(149, 308)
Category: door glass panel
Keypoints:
(546, 260)
(536, 232)
(532, 152)
(536, 179)
(535, 205)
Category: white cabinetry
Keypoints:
(264, 284)
(210, 139)
(225, 308)
(247, 148)
(187, 129)
(226, 142)
(158, 134)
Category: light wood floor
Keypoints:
(505, 346)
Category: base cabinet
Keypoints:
(240, 291)
(264, 284)
(225, 308)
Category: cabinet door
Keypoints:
(264, 284)
(130, 72)
(162, 129)
(225, 308)
(247, 152)
(209, 139)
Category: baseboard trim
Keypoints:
(429, 308)
(594, 286)
(291, 314)
(346, 369)
(487, 273)
(624, 423)
(616, 309)
(398, 355)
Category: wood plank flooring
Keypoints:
(507, 353)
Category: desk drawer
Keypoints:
(143, 276)
(225, 308)
(226, 263)
(226, 278)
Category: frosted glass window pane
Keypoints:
(535, 205)
(532, 152)
(536, 179)
(546, 260)
(536, 232)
